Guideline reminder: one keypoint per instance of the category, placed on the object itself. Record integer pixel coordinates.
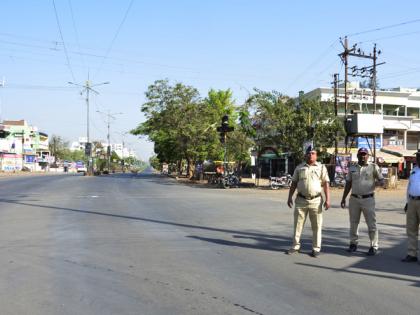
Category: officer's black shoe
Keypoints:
(352, 248)
(372, 251)
(409, 258)
(314, 254)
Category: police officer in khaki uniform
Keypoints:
(413, 212)
(361, 180)
(310, 178)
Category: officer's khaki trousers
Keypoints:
(367, 206)
(315, 215)
(413, 220)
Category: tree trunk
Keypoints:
(179, 166)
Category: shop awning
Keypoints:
(401, 153)
(386, 156)
(389, 158)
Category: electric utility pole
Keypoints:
(336, 82)
(88, 87)
(363, 72)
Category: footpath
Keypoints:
(264, 183)
(41, 173)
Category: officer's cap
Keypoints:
(363, 150)
(310, 148)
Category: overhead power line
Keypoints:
(116, 34)
(384, 27)
(75, 31)
(316, 61)
(388, 37)
(39, 87)
(62, 39)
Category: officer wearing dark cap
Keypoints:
(310, 179)
(413, 212)
(361, 180)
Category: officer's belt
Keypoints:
(362, 196)
(414, 197)
(309, 197)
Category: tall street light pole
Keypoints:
(87, 87)
(109, 116)
(123, 134)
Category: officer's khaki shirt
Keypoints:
(310, 179)
(363, 178)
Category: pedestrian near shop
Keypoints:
(310, 179)
(412, 209)
(361, 181)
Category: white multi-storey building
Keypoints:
(400, 108)
(118, 148)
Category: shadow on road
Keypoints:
(379, 266)
(127, 217)
(335, 241)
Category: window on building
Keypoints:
(370, 109)
(393, 138)
(412, 140)
(354, 107)
(394, 110)
(413, 111)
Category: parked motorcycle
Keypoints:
(284, 181)
(230, 180)
(339, 180)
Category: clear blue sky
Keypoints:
(238, 44)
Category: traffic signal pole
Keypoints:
(223, 130)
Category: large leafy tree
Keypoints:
(177, 121)
(219, 103)
(267, 118)
(271, 119)
(59, 148)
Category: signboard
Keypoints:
(10, 162)
(30, 158)
(342, 164)
(362, 142)
(364, 124)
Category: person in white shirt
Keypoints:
(412, 209)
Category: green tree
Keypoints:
(154, 162)
(272, 119)
(58, 147)
(178, 122)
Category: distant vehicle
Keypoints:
(81, 167)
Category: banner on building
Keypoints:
(362, 142)
(10, 162)
(30, 158)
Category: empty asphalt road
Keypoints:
(145, 244)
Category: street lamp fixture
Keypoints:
(87, 87)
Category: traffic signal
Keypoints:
(224, 128)
(225, 121)
(88, 149)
